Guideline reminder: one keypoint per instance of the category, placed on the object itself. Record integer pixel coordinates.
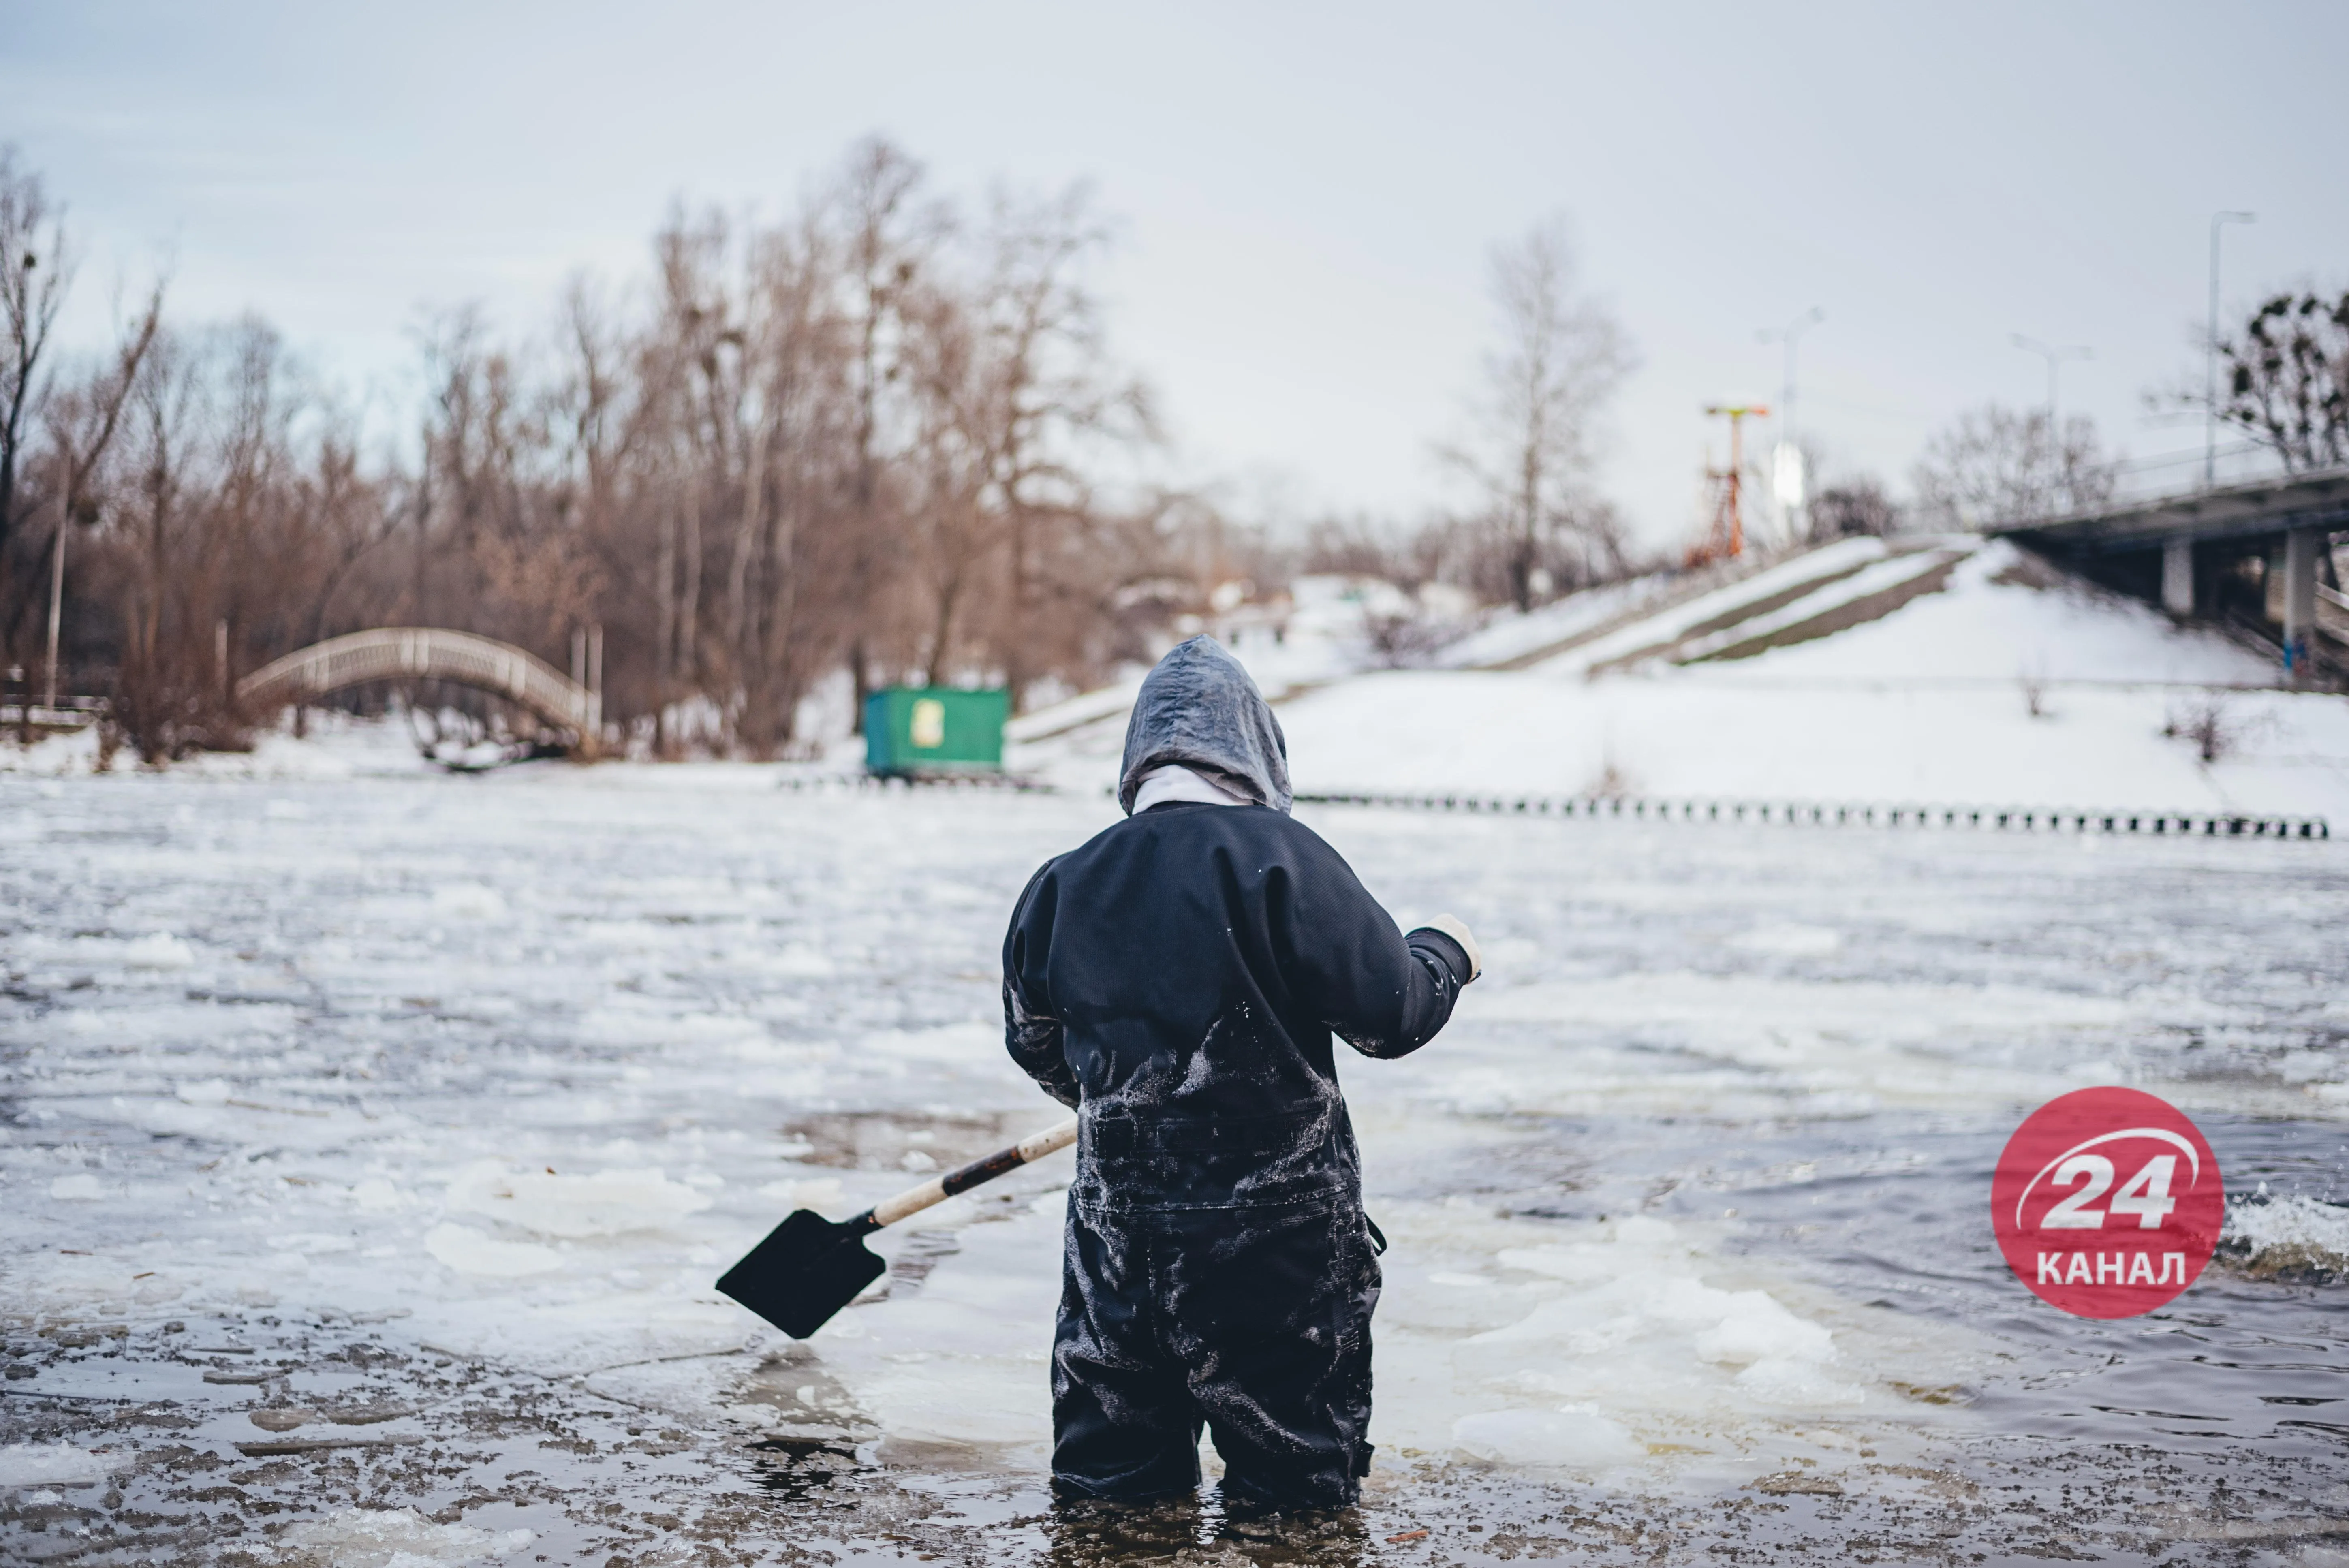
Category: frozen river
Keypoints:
(371, 1145)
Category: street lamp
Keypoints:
(2211, 353)
(2055, 354)
(1787, 463)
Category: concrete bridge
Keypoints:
(432, 653)
(2257, 554)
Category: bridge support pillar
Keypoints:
(2299, 600)
(2178, 576)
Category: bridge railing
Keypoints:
(428, 653)
(2184, 473)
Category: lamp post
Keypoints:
(1787, 464)
(2211, 353)
(57, 595)
(2054, 354)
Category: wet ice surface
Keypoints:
(372, 1145)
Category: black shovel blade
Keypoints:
(808, 1268)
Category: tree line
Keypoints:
(883, 439)
(885, 435)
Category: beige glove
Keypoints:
(1453, 926)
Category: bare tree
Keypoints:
(1536, 416)
(1014, 391)
(864, 435)
(2288, 379)
(81, 428)
(1998, 465)
(954, 532)
(1852, 506)
(1043, 391)
(35, 272)
(798, 581)
(341, 517)
(890, 234)
(1360, 547)
(589, 407)
(165, 401)
(166, 579)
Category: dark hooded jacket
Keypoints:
(1179, 979)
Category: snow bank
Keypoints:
(338, 746)
(53, 756)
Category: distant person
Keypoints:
(1177, 980)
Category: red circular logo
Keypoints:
(2106, 1203)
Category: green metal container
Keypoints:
(914, 730)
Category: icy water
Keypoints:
(371, 1147)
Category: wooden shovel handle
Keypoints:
(938, 1189)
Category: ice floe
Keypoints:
(389, 1538)
(28, 1464)
(599, 1204)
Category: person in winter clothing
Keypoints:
(1177, 980)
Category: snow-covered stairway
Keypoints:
(1861, 578)
(1848, 600)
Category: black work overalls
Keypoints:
(1178, 978)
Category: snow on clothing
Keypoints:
(1178, 979)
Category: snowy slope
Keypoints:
(1991, 624)
(1715, 738)
(1925, 702)
(1509, 638)
(1861, 596)
(1724, 605)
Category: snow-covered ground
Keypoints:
(1731, 737)
(1931, 703)
(374, 1137)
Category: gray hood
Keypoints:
(1200, 709)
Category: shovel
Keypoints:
(809, 1267)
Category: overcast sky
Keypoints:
(1307, 193)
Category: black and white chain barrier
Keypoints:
(1784, 813)
(1825, 814)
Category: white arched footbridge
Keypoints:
(430, 653)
